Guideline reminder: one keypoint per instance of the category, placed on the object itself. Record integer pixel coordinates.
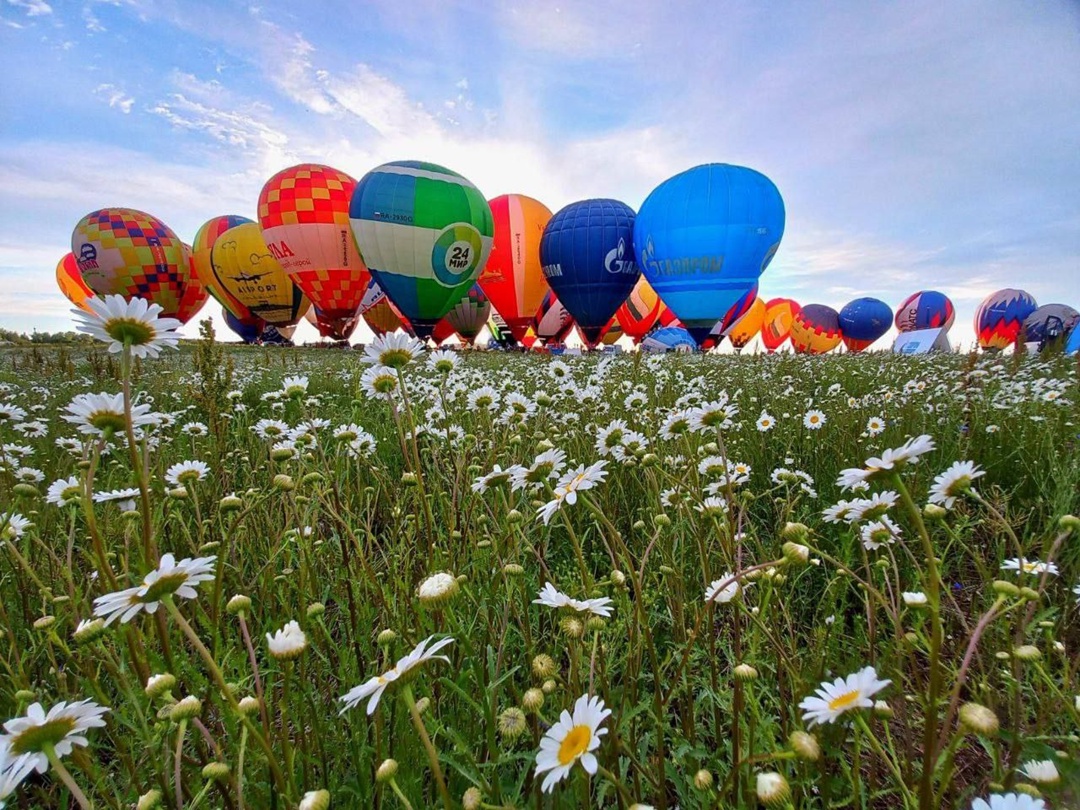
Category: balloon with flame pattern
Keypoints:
(863, 321)
(513, 279)
(71, 283)
(304, 217)
(815, 329)
(999, 320)
(779, 315)
(745, 328)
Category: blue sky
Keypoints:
(917, 144)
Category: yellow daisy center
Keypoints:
(574, 744)
(1030, 566)
(845, 701)
(129, 330)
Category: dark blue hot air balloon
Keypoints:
(703, 238)
(863, 321)
(248, 330)
(587, 253)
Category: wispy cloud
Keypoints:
(115, 97)
(33, 8)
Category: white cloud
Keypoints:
(91, 21)
(33, 8)
(115, 97)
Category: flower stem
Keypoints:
(433, 755)
(66, 778)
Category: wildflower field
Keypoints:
(275, 578)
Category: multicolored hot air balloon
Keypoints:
(666, 316)
(638, 313)
(779, 315)
(815, 330)
(71, 283)
(926, 309)
(380, 314)
(669, 339)
(704, 237)
(553, 321)
(193, 293)
(1000, 318)
(588, 256)
(133, 254)
(612, 332)
(201, 247)
(443, 330)
(1050, 322)
(304, 217)
(863, 321)
(244, 267)
(248, 330)
(470, 314)
(425, 233)
(743, 330)
(336, 329)
(513, 279)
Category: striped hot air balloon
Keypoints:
(201, 248)
(71, 283)
(553, 321)
(512, 278)
(469, 315)
(926, 309)
(779, 315)
(638, 313)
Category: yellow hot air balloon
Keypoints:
(245, 269)
(71, 282)
(201, 248)
(743, 330)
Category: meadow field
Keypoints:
(282, 578)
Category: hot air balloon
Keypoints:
(443, 330)
(815, 330)
(513, 279)
(336, 329)
(133, 254)
(612, 332)
(863, 321)
(927, 309)
(248, 330)
(553, 321)
(193, 293)
(71, 282)
(588, 257)
(704, 237)
(1000, 318)
(1049, 323)
(1073, 345)
(668, 339)
(638, 313)
(243, 266)
(779, 314)
(425, 232)
(530, 339)
(201, 248)
(304, 217)
(470, 314)
(666, 317)
(380, 314)
(743, 330)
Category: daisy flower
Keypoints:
(11, 413)
(813, 420)
(582, 478)
(954, 482)
(844, 694)
(838, 511)
(103, 414)
(443, 361)
(394, 350)
(548, 464)
(548, 510)
(134, 323)
(13, 769)
(294, 386)
(437, 588)
(170, 578)
(878, 533)
(270, 429)
(875, 425)
(13, 525)
(1009, 801)
(65, 492)
(1043, 771)
(195, 429)
(1024, 566)
(723, 590)
(635, 400)
(288, 642)
(765, 422)
(553, 598)
(363, 446)
(406, 667)
(186, 472)
(494, 478)
(572, 739)
(62, 728)
(379, 382)
(675, 424)
(610, 437)
(914, 598)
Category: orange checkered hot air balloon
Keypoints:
(193, 293)
(304, 216)
(201, 248)
(121, 251)
(638, 313)
(71, 282)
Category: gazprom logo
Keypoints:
(620, 260)
(679, 265)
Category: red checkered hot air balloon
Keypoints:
(815, 329)
(304, 216)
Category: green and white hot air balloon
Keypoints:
(425, 233)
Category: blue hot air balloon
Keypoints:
(669, 339)
(1073, 346)
(704, 237)
(863, 321)
(587, 253)
(248, 330)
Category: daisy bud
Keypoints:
(1069, 523)
(44, 623)
(248, 706)
(387, 637)
(160, 684)
(387, 770)
(512, 723)
(548, 686)
(805, 746)
(772, 789)
(215, 771)
(618, 578)
(1030, 594)
(230, 503)
(779, 579)
(177, 493)
(25, 490)
(533, 700)
(703, 779)
(711, 448)
(543, 666)
(315, 800)
(544, 400)
(572, 626)
(979, 719)
(745, 672)
(284, 482)
(1005, 588)
(514, 517)
(638, 526)
(456, 535)
(795, 532)
(661, 520)
(667, 570)
(149, 800)
(1027, 652)
(315, 609)
(185, 709)
(934, 512)
(89, 631)
(423, 704)
(513, 570)
(795, 553)
(1001, 655)
(238, 604)
(882, 709)
(473, 799)
(438, 588)
(409, 479)
(25, 695)
(1027, 790)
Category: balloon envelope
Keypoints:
(469, 315)
(779, 314)
(201, 248)
(379, 313)
(588, 257)
(926, 309)
(304, 217)
(133, 254)
(743, 330)
(248, 330)
(1050, 321)
(425, 232)
(669, 338)
(193, 293)
(71, 283)
(638, 313)
(337, 329)
(1000, 317)
(513, 279)
(244, 267)
(815, 329)
(703, 238)
(863, 321)
(553, 321)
